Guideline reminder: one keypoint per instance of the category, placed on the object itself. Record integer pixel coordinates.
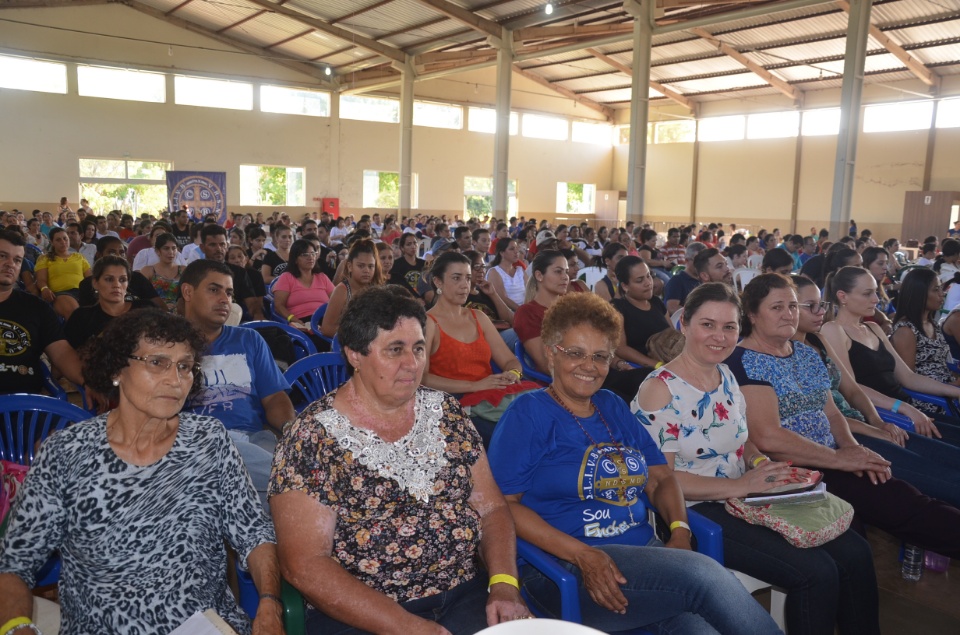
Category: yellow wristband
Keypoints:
(757, 460)
(15, 623)
(659, 364)
(678, 524)
(516, 372)
(504, 578)
(291, 317)
(44, 288)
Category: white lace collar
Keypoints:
(412, 461)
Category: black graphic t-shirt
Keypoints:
(27, 326)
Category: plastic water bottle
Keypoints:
(912, 563)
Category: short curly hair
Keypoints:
(376, 309)
(577, 309)
(109, 353)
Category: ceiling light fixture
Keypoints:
(327, 71)
(548, 9)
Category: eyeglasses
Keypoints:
(158, 365)
(308, 254)
(600, 359)
(478, 267)
(816, 307)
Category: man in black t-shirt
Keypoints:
(181, 229)
(28, 329)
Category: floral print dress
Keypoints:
(705, 431)
(404, 524)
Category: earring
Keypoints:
(439, 291)
(116, 382)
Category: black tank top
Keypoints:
(875, 368)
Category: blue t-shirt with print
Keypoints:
(238, 372)
(540, 451)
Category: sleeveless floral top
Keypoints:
(167, 288)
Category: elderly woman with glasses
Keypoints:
(382, 496)
(574, 464)
(301, 289)
(141, 501)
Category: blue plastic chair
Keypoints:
(949, 406)
(529, 370)
(315, 376)
(303, 346)
(709, 542)
(27, 420)
(315, 322)
(897, 419)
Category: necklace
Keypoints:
(623, 471)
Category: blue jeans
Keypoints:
(256, 450)
(932, 466)
(462, 611)
(668, 590)
(833, 584)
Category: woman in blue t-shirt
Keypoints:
(573, 464)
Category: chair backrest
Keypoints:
(315, 323)
(591, 276)
(302, 345)
(529, 370)
(743, 275)
(314, 376)
(28, 419)
(675, 318)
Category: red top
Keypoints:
(466, 361)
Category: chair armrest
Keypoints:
(553, 571)
(949, 406)
(294, 611)
(708, 533)
(897, 419)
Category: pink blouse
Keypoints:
(304, 301)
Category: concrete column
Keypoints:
(642, 13)
(501, 152)
(406, 139)
(858, 29)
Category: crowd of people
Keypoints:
(683, 369)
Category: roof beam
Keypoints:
(914, 65)
(466, 17)
(348, 36)
(353, 14)
(270, 56)
(574, 30)
(764, 74)
(669, 93)
(569, 94)
(454, 56)
(48, 4)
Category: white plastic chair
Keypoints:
(743, 275)
(591, 276)
(778, 598)
(539, 626)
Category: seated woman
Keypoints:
(573, 268)
(930, 465)
(385, 254)
(275, 261)
(917, 336)
(382, 496)
(606, 287)
(165, 274)
(483, 297)
(833, 584)
(362, 272)
(644, 314)
(59, 273)
(862, 347)
(461, 343)
(301, 289)
(792, 417)
(548, 282)
(506, 274)
(777, 261)
(573, 464)
(408, 267)
(186, 492)
(111, 275)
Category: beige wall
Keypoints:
(748, 182)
